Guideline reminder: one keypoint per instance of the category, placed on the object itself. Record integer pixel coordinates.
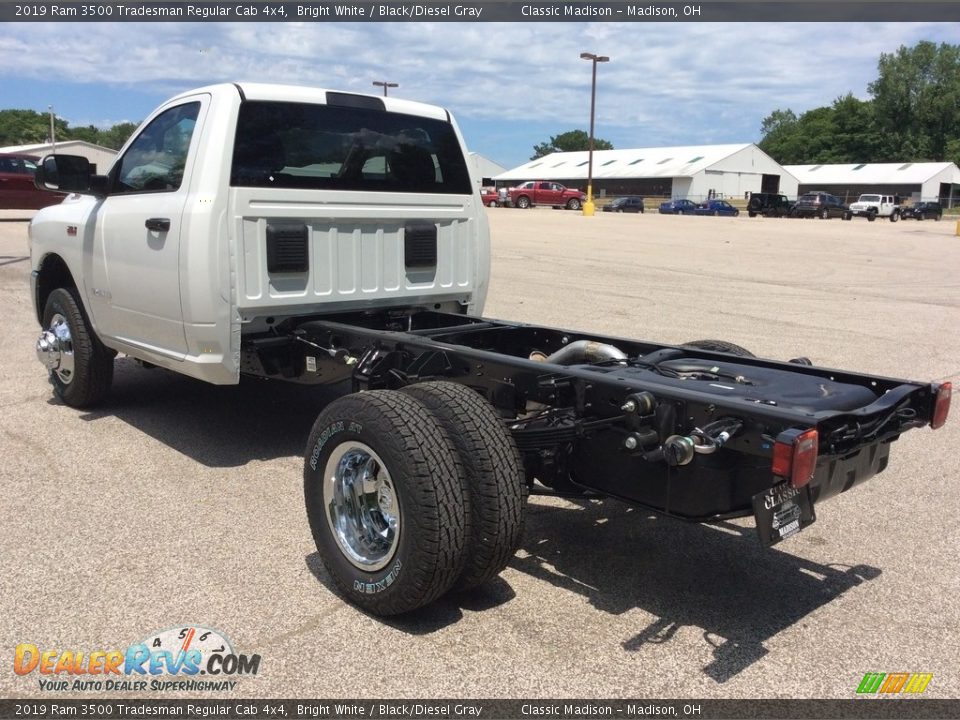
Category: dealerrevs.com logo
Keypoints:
(189, 657)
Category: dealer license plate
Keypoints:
(782, 511)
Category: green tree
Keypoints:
(24, 127)
(917, 100)
(27, 127)
(780, 136)
(569, 141)
(117, 135)
(914, 115)
(856, 136)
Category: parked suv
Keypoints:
(922, 210)
(821, 205)
(769, 205)
(627, 204)
(873, 205)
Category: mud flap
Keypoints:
(782, 511)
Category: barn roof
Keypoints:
(682, 161)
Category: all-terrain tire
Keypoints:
(496, 484)
(894, 216)
(719, 346)
(92, 374)
(400, 447)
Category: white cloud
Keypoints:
(666, 82)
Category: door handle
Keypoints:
(158, 224)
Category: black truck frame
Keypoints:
(699, 432)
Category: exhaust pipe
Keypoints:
(589, 351)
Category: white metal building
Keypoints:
(915, 181)
(695, 171)
(486, 168)
(101, 157)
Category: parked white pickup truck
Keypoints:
(872, 206)
(323, 237)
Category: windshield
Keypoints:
(292, 145)
(869, 198)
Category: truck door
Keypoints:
(134, 273)
(549, 194)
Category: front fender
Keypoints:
(59, 235)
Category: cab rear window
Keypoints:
(298, 145)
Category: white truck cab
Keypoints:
(235, 206)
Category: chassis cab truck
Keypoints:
(323, 237)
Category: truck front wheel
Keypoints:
(523, 202)
(383, 487)
(496, 485)
(80, 366)
(573, 204)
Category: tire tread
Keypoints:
(493, 472)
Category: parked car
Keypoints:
(490, 196)
(17, 191)
(541, 192)
(626, 204)
(821, 205)
(769, 205)
(716, 207)
(923, 210)
(678, 207)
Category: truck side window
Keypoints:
(156, 159)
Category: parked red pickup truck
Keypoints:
(539, 192)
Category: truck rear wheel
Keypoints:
(80, 366)
(383, 487)
(719, 346)
(496, 485)
(894, 216)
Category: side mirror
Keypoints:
(68, 173)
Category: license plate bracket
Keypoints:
(782, 511)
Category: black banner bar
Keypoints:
(908, 709)
(483, 11)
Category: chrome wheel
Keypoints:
(55, 349)
(362, 506)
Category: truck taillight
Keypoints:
(795, 455)
(941, 407)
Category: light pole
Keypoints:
(588, 207)
(53, 137)
(384, 84)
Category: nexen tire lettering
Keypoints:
(380, 585)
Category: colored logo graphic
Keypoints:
(894, 683)
(188, 651)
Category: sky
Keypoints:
(510, 85)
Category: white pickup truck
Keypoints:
(872, 206)
(324, 237)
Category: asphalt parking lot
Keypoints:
(181, 503)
